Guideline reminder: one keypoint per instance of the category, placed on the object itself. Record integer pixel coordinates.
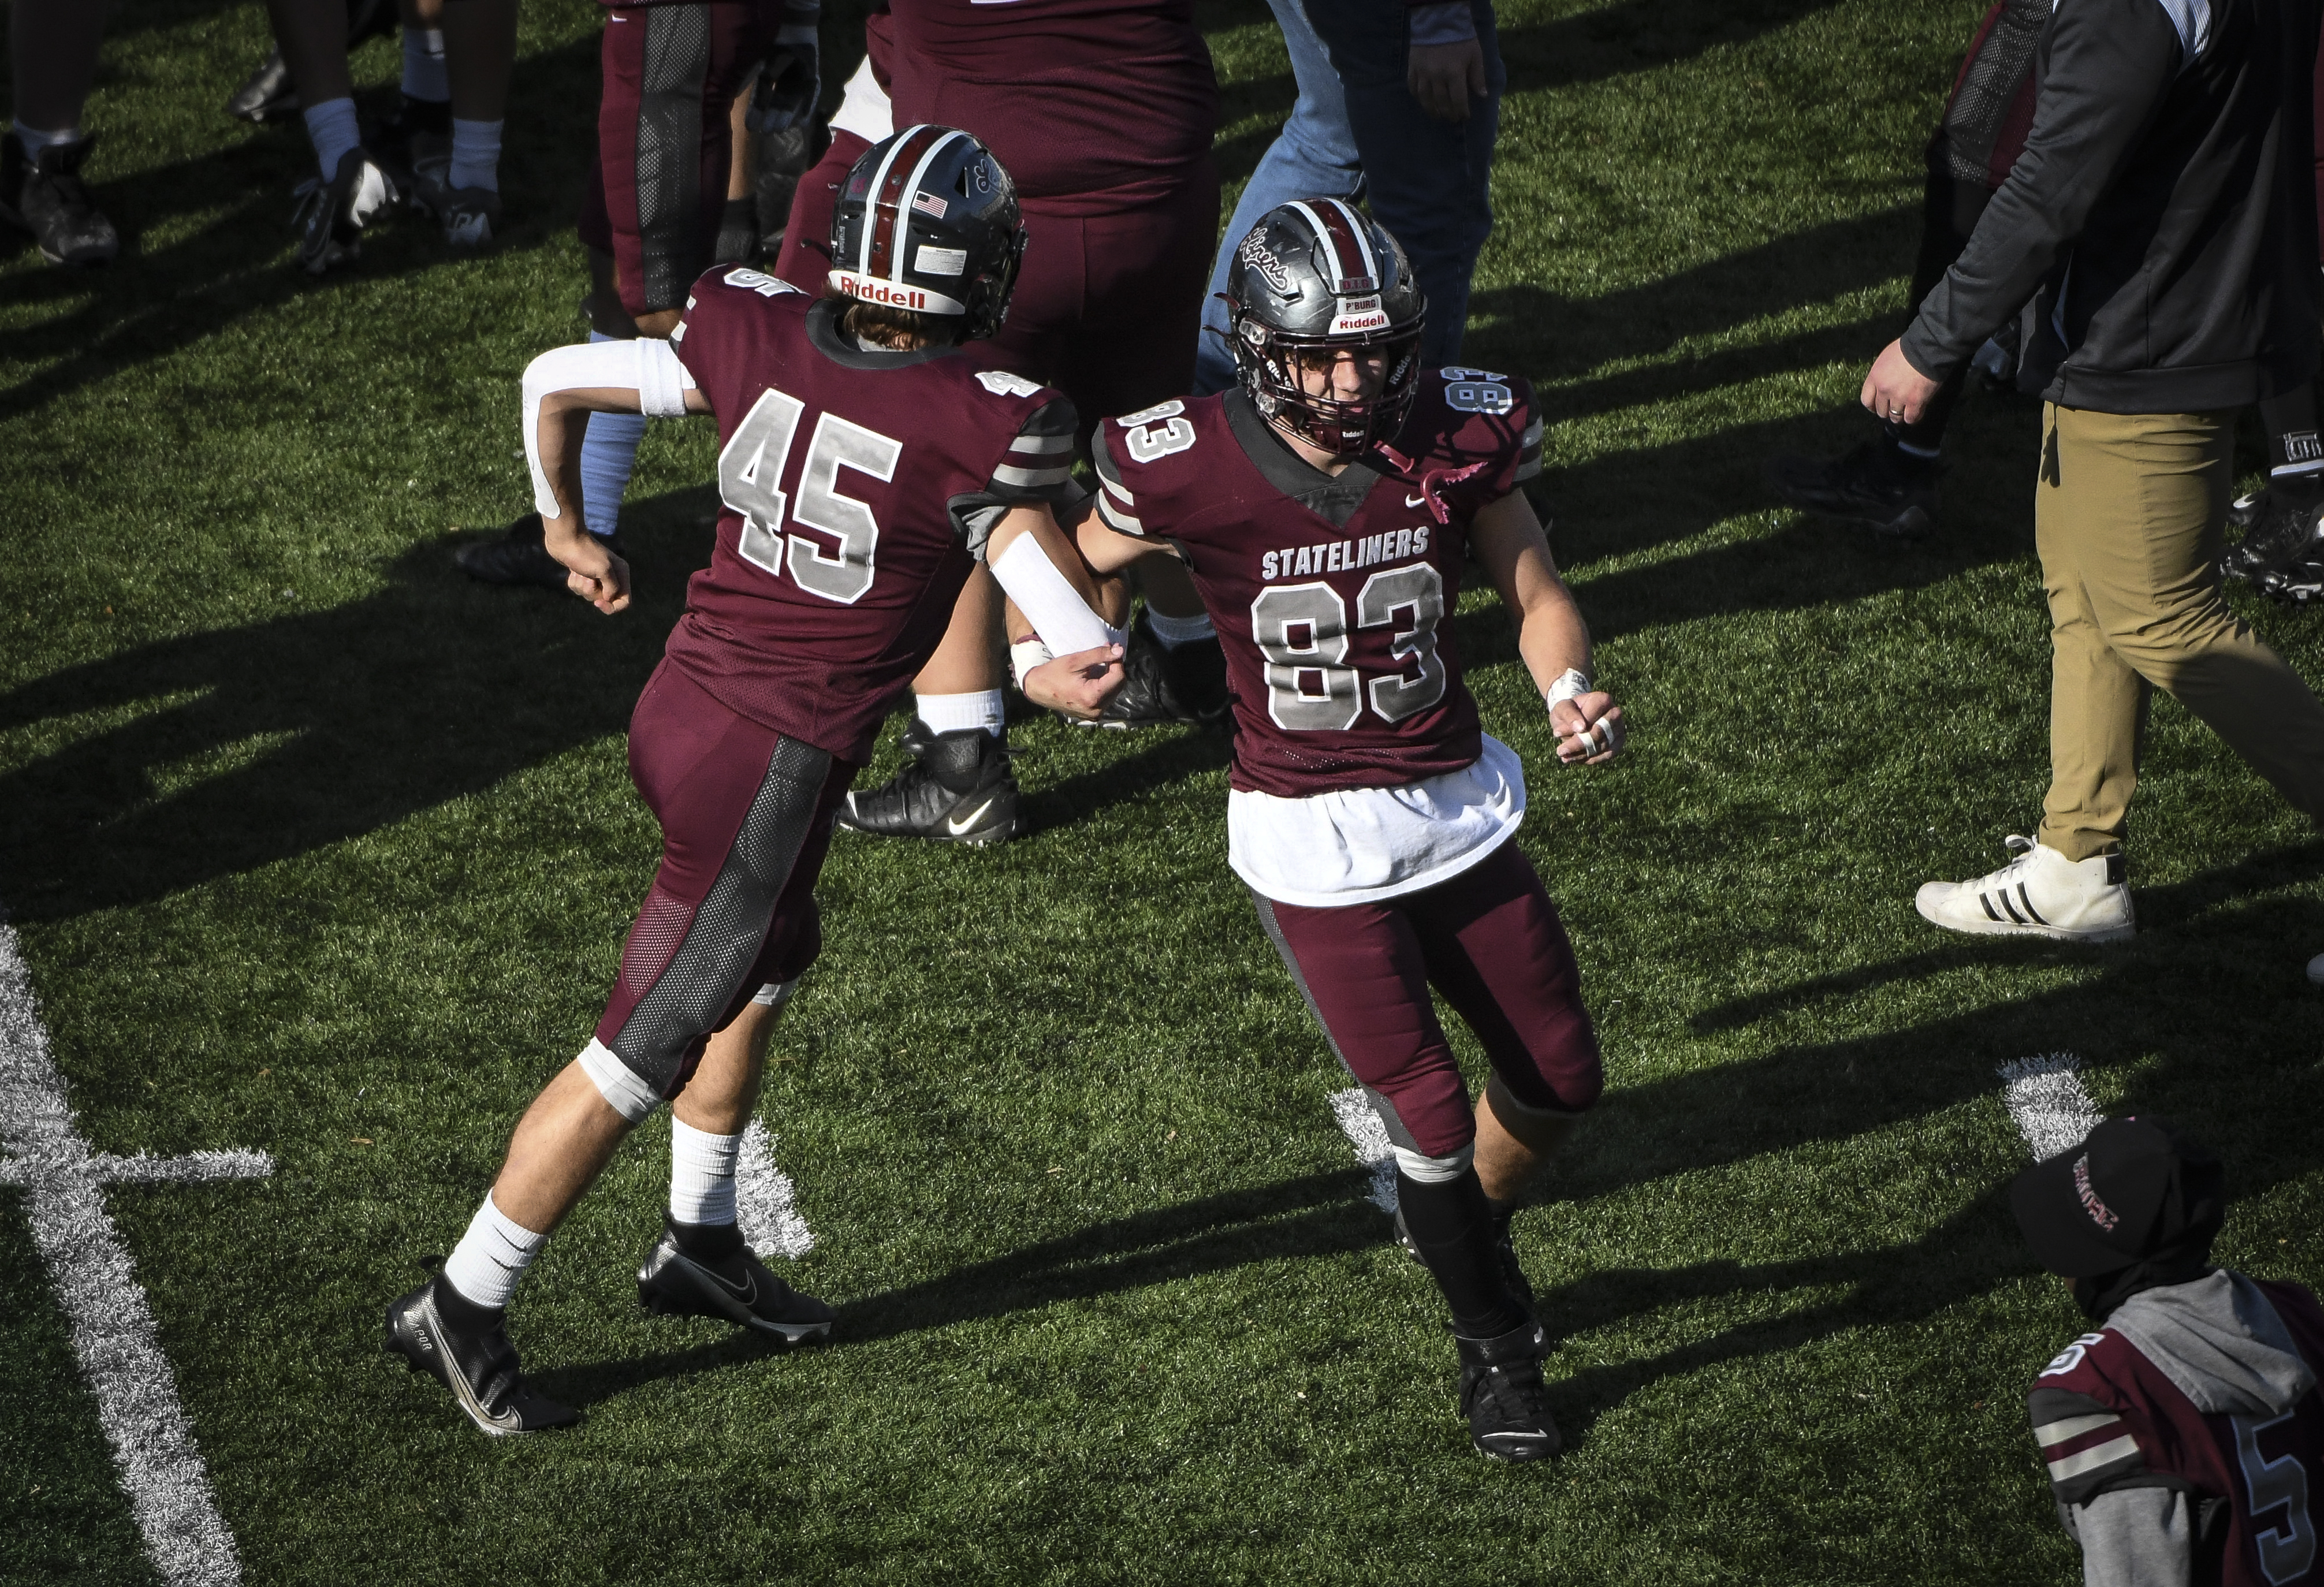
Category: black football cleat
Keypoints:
(1160, 686)
(45, 197)
(331, 215)
(519, 555)
(1503, 1245)
(954, 788)
(1879, 484)
(1504, 1398)
(414, 144)
(2284, 541)
(265, 95)
(480, 1368)
(736, 1288)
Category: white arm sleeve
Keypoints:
(1053, 607)
(646, 366)
(864, 107)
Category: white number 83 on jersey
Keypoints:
(1302, 630)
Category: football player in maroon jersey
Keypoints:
(1324, 509)
(2184, 1438)
(870, 459)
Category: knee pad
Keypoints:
(1427, 1171)
(625, 1091)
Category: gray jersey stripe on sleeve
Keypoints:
(1116, 519)
(1042, 446)
(1031, 479)
(1114, 487)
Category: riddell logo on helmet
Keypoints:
(2100, 1214)
(879, 292)
(1376, 321)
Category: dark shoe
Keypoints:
(265, 95)
(45, 197)
(954, 788)
(467, 215)
(1879, 484)
(518, 554)
(479, 1368)
(737, 1287)
(1162, 686)
(331, 216)
(1502, 1243)
(1504, 1398)
(414, 144)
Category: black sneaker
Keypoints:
(331, 216)
(2282, 526)
(954, 788)
(1511, 1269)
(265, 95)
(1879, 484)
(1163, 685)
(518, 554)
(479, 1366)
(736, 1286)
(414, 144)
(1504, 1398)
(45, 197)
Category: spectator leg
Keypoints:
(1313, 157)
(52, 46)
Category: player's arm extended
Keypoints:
(1551, 638)
(561, 389)
(1040, 570)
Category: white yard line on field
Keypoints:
(2048, 1102)
(1368, 1136)
(769, 1217)
(42, 1152)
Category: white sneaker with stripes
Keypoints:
(2039, 893)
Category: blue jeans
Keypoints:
(1356, 127)
(1313, 157)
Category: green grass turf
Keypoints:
(317, 848)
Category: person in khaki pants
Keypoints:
(2162, 220)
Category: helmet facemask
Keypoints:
(1269, 363)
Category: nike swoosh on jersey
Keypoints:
(1419, 501)
(956, 824)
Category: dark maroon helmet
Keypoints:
(1316, 275)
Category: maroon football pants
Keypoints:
(1107, 307)
(1489, 941)
(745, 817)
(664, 147)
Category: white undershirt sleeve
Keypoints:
(648, 366)
(1051, 604)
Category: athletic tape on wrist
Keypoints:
(1026, 654)
(1572, 682)
(617, 1082)
(1056, 610)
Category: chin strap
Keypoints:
(1433, 482)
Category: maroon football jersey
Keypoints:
(2107, 1417)
(1093, 106)
(858, 487)
(1329, 592)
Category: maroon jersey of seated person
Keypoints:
(858, 489)
(1329, 593)
(2108, 1418)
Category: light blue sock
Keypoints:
(609, 453)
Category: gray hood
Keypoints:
(2219, 1340)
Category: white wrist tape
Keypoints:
(1053, 607)
(646, 366)
(1025, 655)
(1569, 683)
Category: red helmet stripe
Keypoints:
(1353, 269)
(886, 194)
(912, 185)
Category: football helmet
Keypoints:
(926, 220)
(1317, 276)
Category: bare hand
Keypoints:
(1589, 729)
(1896, 391)
(591, 571)
(1078, 685)
(1445, 77)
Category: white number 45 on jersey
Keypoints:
(749, 481)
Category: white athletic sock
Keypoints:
(958, 713)
(701, 1174)
(331, 128)
(1173, 631)
(476, 154)
(609, 453)
(491, 1257)
(31, 140)
(424, 75)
